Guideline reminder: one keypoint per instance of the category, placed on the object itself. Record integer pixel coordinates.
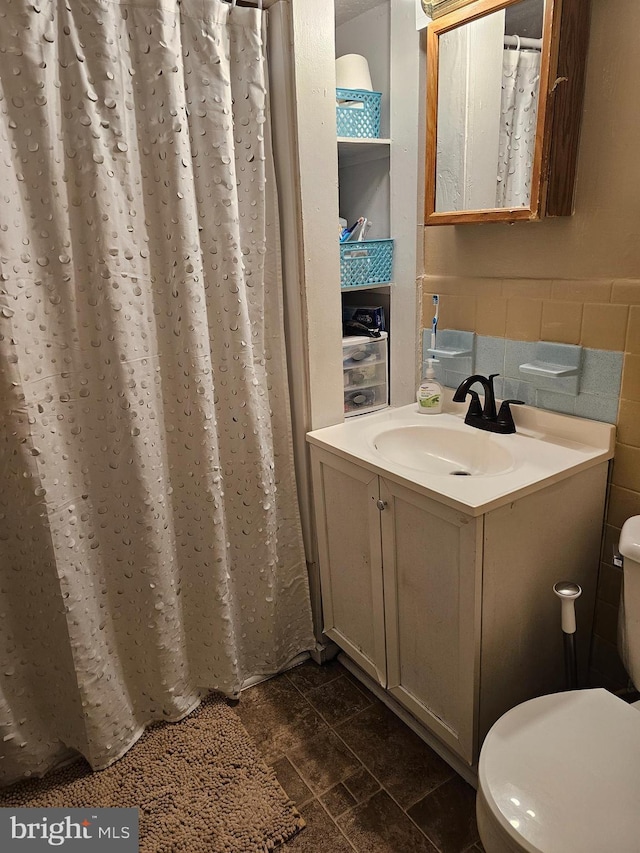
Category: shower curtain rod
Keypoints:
(254, 3)
(527, 44)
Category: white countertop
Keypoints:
(547, 448)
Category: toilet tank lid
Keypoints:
(630, 539)
(562, 773)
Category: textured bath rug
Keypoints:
(200, 786)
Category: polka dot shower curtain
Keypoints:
(519, 115)
(150, 545)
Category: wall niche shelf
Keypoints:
(378, 176)
(351, 151)
(358, 287)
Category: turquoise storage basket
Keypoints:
(366, 262)
(361, 122)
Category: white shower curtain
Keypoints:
(150, 546)
(519, 114)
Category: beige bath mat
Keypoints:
(200, 785)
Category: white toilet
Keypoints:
(561, 773)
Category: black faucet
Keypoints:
(486, 418)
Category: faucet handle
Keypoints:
(475, 406)
(474, 412)
(505, 418)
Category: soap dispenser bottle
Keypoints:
(429, 394)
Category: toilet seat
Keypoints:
(561, 774)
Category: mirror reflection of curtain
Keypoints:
(519, 112)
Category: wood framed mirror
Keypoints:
(505, 86)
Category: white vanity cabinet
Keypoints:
(350, 552)
(401, 592)
(452, 611)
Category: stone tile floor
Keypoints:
(360, 777)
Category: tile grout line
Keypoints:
(383, 788)
(362, 764)
(293, 684)
(345, 719)
(354, 684)
(315, 796)
(391, 797)
(331, 817)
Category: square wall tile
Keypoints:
(491, 316)
(597, 290)
(559, 353)
(446, 369)
(498, 389)
(631, 377)
(452, 378)
(605, 659)
(457, 312)
(452, 339)
(626, 291)
(527, 288)
(633, 332)
(629, 423)
(446, 284)
(601, 372)
(489, 355)
(556, 402)
(486, 288)
(597, 408)
(604, 326)
(561, 321)
(610, 544)
(517, 353)
(609, 584)
(626, 467)
(517, 390)
(524, 319)
(623, 503)
(606, 621)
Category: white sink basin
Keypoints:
(426, 451)
(438, 450)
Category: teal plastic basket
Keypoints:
(366, 262)
(359, 116)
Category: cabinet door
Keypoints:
(350, 555)
(432, 590)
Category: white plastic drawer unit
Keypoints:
(366, 374)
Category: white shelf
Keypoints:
(365, 287)
(352, 150)
(545, 368)
(449, 352)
